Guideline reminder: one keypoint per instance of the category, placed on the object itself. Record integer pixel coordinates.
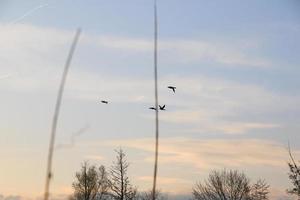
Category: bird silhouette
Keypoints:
(152, 108)
(172, 88)
(106, 102)
(162, 107)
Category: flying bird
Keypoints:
(152, 108)
(106, 102)
(162, 107)
(172, 88)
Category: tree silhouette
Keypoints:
(86, 183)
(223, 185)
(90, 183)
(103, 184)
(230, 185)
(294, 175)
(121, 188)
(260, 190)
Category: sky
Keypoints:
(235, 65)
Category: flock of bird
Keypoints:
(173, 88)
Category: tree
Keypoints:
(86, 183)
(90, 183)
(103, 184)
(294, 176)
(223, 185)
(121, 188)
(260, 190)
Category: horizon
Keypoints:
(235, 66)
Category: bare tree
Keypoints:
(86, 183)
(294, 175)
(103, 184)
(91, 184)
(260, 190)
(121, 188)
(223, 185)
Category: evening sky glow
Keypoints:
(237, 104)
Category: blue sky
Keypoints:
(235, 64)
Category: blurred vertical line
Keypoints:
(56, 114)
(156, 102)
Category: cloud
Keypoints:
(186, 51)
(170, 184)
(240, 128)
(34, 57)
(213, 153)
(195, 158)
(206, 104)
(28, 13)
(18, 197)
(42, 47)
(10, 197)
(280, 194)
(121, 43)
(94, 157)
(189, 51)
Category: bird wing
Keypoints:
(162, 107)
(172, 88)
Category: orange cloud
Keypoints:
(207, 154)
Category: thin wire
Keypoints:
(156, 102)
(56, 114)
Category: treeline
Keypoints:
(99, 183)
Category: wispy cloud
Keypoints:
(184, 50)
(94, 157)
(53, 196)
(168, 183)
(199, 156)
(210, 101)
(11, 197)
(240, 128)
(187, 51)
(213, 153)
(162, 180)
(190, 51)
(28, 13)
